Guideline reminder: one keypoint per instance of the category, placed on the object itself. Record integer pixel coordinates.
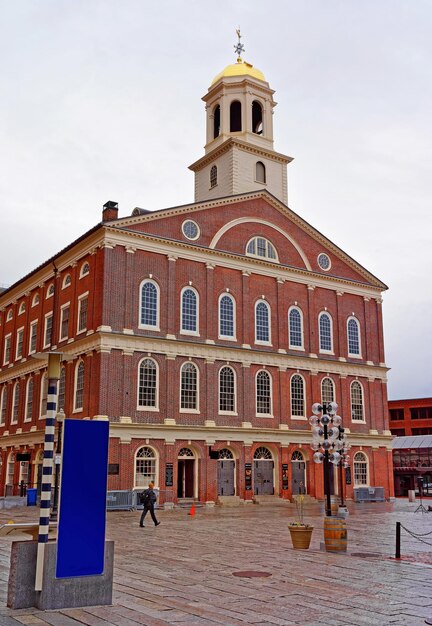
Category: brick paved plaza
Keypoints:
(182, 571)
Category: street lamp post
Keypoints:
(328, 443)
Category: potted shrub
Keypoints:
(301, 533)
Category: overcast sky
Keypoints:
(101, 100)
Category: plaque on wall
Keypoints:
(347, 475)
(113, 469)
(284, 475)
(169, 470)
(248, 476)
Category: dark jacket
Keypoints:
(149, 497)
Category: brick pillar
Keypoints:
(371, 419)
(109, 288)
(247, 330)
(248, 395)
(212, 387)
(128, 393)
(172, 302)
(341, 348)
(210, 332)
(284, 419)
(380, 331)
(315, 391)
(127, 469)
(367, 350)
(312, 348)
(171, 388)
(345, 403)
(170, 491)
(130, 317)
(285, 460)
(282, 322)
(247, 495)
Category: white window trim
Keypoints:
(22, 308)
(268, 242)
(9, 315)
(51, 289)
(156, 458)
(82, 273)
(192, 333)
(260, 182)
(82, 297)
(291, 347)
(26, 417)
(149, 326)
(367, 484)
(62, 308)
(64, 286)
(334, 387)
(350, 354)
(19, 330)
(47, 315)
(33, 324)
(197, 410)
(139, 406)
(75, 410)
(35, 300)
(15, 387)
(268, 415)
(228, 337)
(260, 342)
(298, 418)
(42, 382)
(8, 336)
(331, 333)
(363, 421)
(235, 391)
(3, 391)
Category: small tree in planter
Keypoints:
(301, 533)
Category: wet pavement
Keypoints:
(186, 571)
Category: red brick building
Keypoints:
(204, 332)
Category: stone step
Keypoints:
(270, 500)
(230, 500)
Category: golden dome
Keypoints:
(241, 68)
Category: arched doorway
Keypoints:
(226, 473)
(298, 467)
(186, 473)
(263, 472)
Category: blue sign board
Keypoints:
(82, 510)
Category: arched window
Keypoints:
(43, 396)
(325, 333)
(213, 176)
(149, 305)
(226, 454)
(295, 324)
(189, 387)
(327, 391)
(36, 299)
(85, 269)
(216, 121)
(9, 315)
(189, 311)
(297, 396)
(3, 405)
(62, 389)
(226, 316)
(257, 118)
(227, 390)
(22, 308)
(50, 291)
(260, 247)
(15, 403)
(262, 454)
(260, 172)
(263, 393)
(353, 337)
(360, 464)
(66, 281)
(235, 117)
(297, 456)
(145, 467)
(262, 322)
(148, 384)
(357, 410)
(29, 401)
(79, 387)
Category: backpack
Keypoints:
(144, 497)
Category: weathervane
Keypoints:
(239, 47)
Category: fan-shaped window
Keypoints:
(216, 121)
(213, 176)
(325, 333)
(227, 395)
(189, 387)
(22, 308)
(9, 315)
(66, 281)
(3, 405)
(257, 118)
(50, 291)
(360, 464)
(262, 322)
(29, 401)
(357, 410)
(79, 387)
(297, 396)
(225, 454)
(149, 305)
(262, 454)
(85, 270)
(235, 117)
(353, 337)
(297, 456)
(189, 311)
(36, 299)
(260, 247)
(15, 403)
(145, 467)
(295, 323)
(263, 393)
(148, 384)
(260, 172)
(327, 391)
(226, 317)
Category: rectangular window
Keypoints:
(19, 344)
(48, 330)
(421, 413)
(3, 407)
(33, 337)
(64, 322)
(396, 414)
(82, 313)
(7, 349)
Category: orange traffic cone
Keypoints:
(192, 510)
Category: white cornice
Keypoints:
(232, 143)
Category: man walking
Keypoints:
(148, 499)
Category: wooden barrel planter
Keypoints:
(300, 536)
(335, 534)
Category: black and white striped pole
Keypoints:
(54, 360)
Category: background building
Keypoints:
(204, 332)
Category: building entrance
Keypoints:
(186, 474)
(263, 466)
(298, 473)
(226, 471)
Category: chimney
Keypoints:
(110, 211)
